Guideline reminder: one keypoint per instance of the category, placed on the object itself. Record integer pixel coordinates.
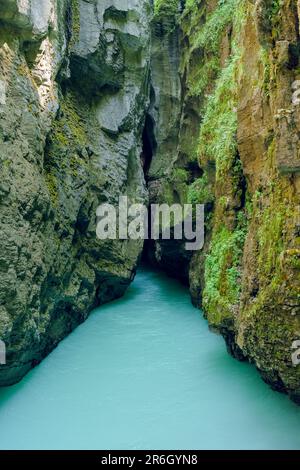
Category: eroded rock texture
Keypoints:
(237, 151)
(202, 97)
(172, 133)
(73, 94)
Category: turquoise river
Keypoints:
(144, 372)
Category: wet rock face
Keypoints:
(168, 172)
(226, 128)
(64, 67)
(95, 98)
(248, 277)
(268, 321)
(33, 17)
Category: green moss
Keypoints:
(69, 128)
(206, 38)
(165, 7)
(216, 23)
(23, 70)
(200, 191)
(66, 141)
(263, 316)
(166, 12)
(217, 141)
(269, 318)
(271, 327)
(180, 175)
(293, 258)
(273, 221)
(200, 78)
(274, 9)
(267, 69)
(218, 148)
(52, 187)
(190, 5)
(222, 273)
(270, 239)
(273, 15)
(178, 184)
(75, 22)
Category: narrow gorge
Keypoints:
(170, 101)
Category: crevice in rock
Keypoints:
(149, 145)
(194, 170)
(68, 23)
(31, 50)
(148, 150)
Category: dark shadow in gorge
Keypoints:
(174, 259)
(149, 145)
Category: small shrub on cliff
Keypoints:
(218, 147)
(210, 35)
(166, 7)
(166, 12)
(217, 141)
(75, 16)
(200, 192)
(208, 40)
(222, 273)
(273, 13)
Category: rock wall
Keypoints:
(173, 164)
(74, 87)
(237, 152)
(199, 102)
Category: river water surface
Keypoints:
(144, 372)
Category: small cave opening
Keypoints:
(149, 145)
(194, 170)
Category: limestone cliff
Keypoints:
(73, 89)
(207, 93)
